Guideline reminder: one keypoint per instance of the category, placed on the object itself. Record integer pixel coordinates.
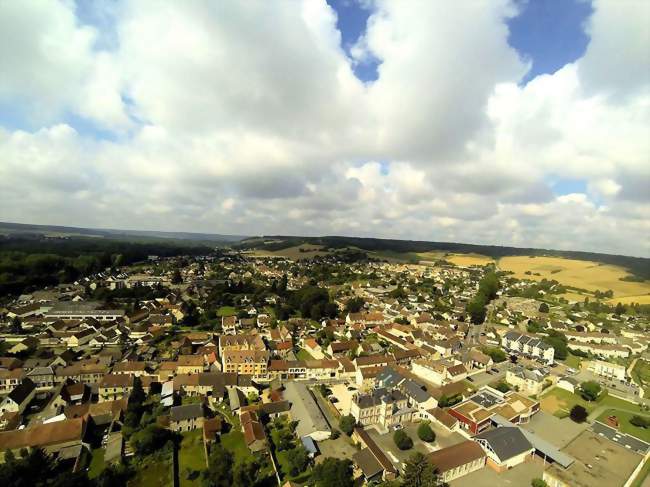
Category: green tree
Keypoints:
(402, 440)
(578, 414)
(620, 309)
(298, 460)
(558, 341)
(543, 308)
(245, 473)
(640, 421)
(354, 305)
(150, 439)
(425, 433)
(347, 424)
(590, 390)
(419, 472)
(219, 471)
(333, 472)
(538, 483)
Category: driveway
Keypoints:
(344, 398)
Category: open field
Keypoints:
(624, 424)
(469, 259)
(560, 402)
(297, 252)
(640, 298)
(191, 457)
(155, 471)
(582, 274)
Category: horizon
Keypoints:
(515, 123)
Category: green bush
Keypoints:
(402, 440)
(425, 433)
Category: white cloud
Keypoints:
(246, 117)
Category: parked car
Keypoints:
(398, 427)
(471, 379)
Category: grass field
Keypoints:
(156, 471)
(559, 402)
(641, 375)
(97, 463)
(572, 361)
(624, 424)
(233, 441)
(467, 260)
(191, 457)
(582, 274)
(304, 355)
(226, 311)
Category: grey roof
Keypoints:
(305, 410)
(188, 411)
(506, 442)
(389, 377)
(629, 442)
(367, 462)
(540, 444)
(22, 391)
(416, 391)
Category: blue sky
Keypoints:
(547, 32)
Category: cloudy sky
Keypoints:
(522, 123)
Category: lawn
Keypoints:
(559, 402)
(304, 355)
(191, 457)
(233, 441)
(226, 311)
(572, 361)
(641, 375)
(624, 424)
(96, 463)
(154, 471)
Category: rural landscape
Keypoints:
(325, 243)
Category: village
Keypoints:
(162, 372)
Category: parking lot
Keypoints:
(343, 398)
(397, 456)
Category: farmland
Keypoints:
(580, 274)
(469, 259)
(297, 252)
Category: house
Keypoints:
(19, 398)
(528, 346)
(313, 348)
(505, 447)
(229, 325)
(568, 384)
(249, 362)
(439, 372)
(254, 435)
(52, 437)
(68, 394)
(186, 418)
(304, 409)
(242, 342)
(527, 381)
(133, 368)
(605, 369)
(338, 349)
(189, 364)
(43, 377)
(212, 428)
(115, 386)
(10, 379)
(29, 343)
(457, 460)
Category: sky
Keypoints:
(504, 122)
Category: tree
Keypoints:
(150, 439)
(640, 421)
(419, 472)
(219, 471)
(425, 433)
(558, 341)
(502, 387)
(347, 424)
(333, 472)
(402, 440)
(245, 473)
(176, 277)
(578, 414)
(543, 308)
(620, 309)
(497, 354)
(590, 390)
(298, 460)
(538, 483)
(354, 305)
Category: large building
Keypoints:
(458, 460)
(305, 410)
(605, 369)
(247, 362)
(505, 447)
(382, 407)
(528, 346)
(475, 414)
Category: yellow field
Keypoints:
(294, 253)
(583, 274)
(469, 259)
(641, 299)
